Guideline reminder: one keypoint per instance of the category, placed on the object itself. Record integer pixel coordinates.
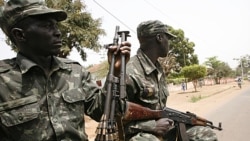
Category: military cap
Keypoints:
(151, 28)
(14, 11)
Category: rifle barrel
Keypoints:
(107, 129)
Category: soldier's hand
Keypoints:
(124, 49)
(162, 126)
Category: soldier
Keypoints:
(44, 97)
(147, 86)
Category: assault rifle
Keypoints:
(107, 129)
(138, 112)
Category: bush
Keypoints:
(175, 81)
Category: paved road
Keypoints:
(235, 118)
(223, 105)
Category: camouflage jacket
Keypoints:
(146, 86)
(35, 107)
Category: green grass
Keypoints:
(195, 98)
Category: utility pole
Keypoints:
(184, 59)
(241, 66)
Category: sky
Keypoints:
(217, 27)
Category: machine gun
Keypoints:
(107, 129)
(138, 112)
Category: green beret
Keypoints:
(15, 10)
(151, 28)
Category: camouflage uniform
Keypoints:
(34, 107)
(147, 86)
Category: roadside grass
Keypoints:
(194, 99)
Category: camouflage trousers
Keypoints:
(196, 133)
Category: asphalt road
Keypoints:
(235, 118)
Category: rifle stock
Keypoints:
(138, 112)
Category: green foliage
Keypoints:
(181, 53)
(243, 65)
(174, 75)
(175, 80)
(194, 72)
(217, 69)
(182, 48)
(195, 98)
(79, 30)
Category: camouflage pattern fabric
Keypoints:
(16, 10)
(196, 133)
(144, 137)
(147, 86)
(200, 133)
(35, 106)
(151, 28)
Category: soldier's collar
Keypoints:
(25, 64)
(147, 64)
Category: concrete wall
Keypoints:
(205, 82)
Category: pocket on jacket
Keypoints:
(73, 95)
(19, 111)
(74, 103)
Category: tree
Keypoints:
(218, 69)
(181, 54)
(183, 49)
(79, 30)
(224, 70)
(243, 65)
(194, 72)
